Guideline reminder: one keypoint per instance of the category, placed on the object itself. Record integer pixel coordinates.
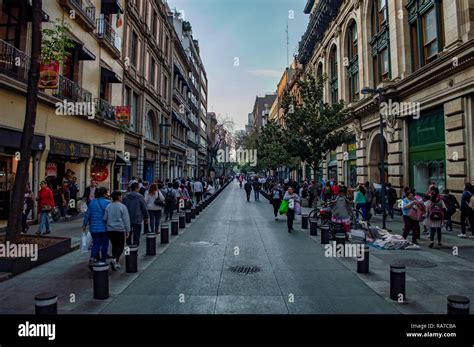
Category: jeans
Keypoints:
(411, 225)
(117, 238)
(449, 222)
(291, 218)
(390, 208)
(276, 206)
(362, 207)
(169, 212)
(155, 217)
(24, 220)
(135, 235)
(434, 231)
(248, 195)
(62, 210)
(466, 214)
(44, 222)
(198, 197)
(256, 192)
(100, 243)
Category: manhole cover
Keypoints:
(200, 243)
(419, 263)
(244, 269)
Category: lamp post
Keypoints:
(381, 93)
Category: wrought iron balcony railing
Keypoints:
(105, 109)
(108, 34)
(14, 62)
(85, 10)
(71, 91)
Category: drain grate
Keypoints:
(244, 269)
(416, 263)
(200, 243)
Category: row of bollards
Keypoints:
(47, 303)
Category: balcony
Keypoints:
(108, 37)
(71, 91)
(84, 11)
(178, 143)
(105, 110)
(13, 62)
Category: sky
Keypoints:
(250, 34)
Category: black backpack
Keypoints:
(170, 198)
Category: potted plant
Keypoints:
(55, 47)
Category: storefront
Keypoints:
(101, 166)
(66, 157)
(332, 166)
(129, 171)
(351, 165)
(10, 141)
(427, 150)
(149, 165)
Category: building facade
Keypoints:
(420, 53)
(89, 144)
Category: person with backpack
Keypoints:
(94, 218)
(248, 189)
(256, 189)
(409, 208)
(294, 207)
(155, 201)
(467, 211)
(435, 210)
(118, 227)
(391, 199)
(138, 212)
(170, 201)
(451, 204)
(277, 197)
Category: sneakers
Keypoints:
(431, 245)
(91, 263)
(113, 264)
(117, 265)
(462, 236)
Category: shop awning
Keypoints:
(180, 120)
(120, 160)
(111, 7)
(110, 76)
(332, 163)
(84, 53)
(12, 139)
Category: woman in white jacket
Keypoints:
(155, 201)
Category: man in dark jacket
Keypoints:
(138, 213)
(256, 188)
(467, 213)
(451, 204)
(91, 192)
(248, 189)
(391, 199)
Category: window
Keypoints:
(333, 79)
(379, 42)
(151, 78)
(134, 111)
(426, 31)
(167, 43)
(353, 63)
(134, 49)
(165, 87)
(12, 23)
(149, 126)
(154, 23)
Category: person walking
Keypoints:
(64, 201)
(293, 207)
(28, 204)
(256, 189)
(391, 199)
(90, 193)
(198, 190)
(94, 218)
(327, 191)
(170, 201)
(467, 212)
(360, 201)
(342, 211)
(313, 193)
(73, 191)
(435, 210)
(452, 205)
(45, 206)
(117, 220)
(155, 201)
(144, 188)
(248, 189)
(369, 197)
(277, 197)
(409, 203)
(210, 190)
(138, 213)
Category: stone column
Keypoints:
(340, 163)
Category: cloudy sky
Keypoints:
(247, 33)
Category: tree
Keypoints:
(312, 127)
(14, 229)
(220, 138)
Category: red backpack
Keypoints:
(436, 212)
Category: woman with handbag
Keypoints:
(155, 201)
(277, 196)
(413, 212)
(293, 207)
(45, 205)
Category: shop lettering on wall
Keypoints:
(69, 148)
(104, 153)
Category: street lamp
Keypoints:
(381, 93)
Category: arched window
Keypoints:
(149, 126)
(319, 71)
(333, 82)
(426, 31)
(379, 41)
(353, 62)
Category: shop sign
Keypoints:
(49, 75)
(51, 169)
(69, 148)
(100, 173)
(102, 153)
(122, 115)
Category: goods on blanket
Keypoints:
(358, 235)
(389, 241)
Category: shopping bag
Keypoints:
(283, 207)
(86, 241)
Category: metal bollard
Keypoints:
(174, 227)
(131, 259)
(193, 212)
(151, 244)
(46, 303)
(304, 221)
(325, 235)
(340, 239)
(397, 282)
(101, 280)
(165, 234)
(182, 221)
(313, 228)
(188, 216)
(197, 210)
(363, 263)
(458, 304)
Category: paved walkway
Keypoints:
(192, 275)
